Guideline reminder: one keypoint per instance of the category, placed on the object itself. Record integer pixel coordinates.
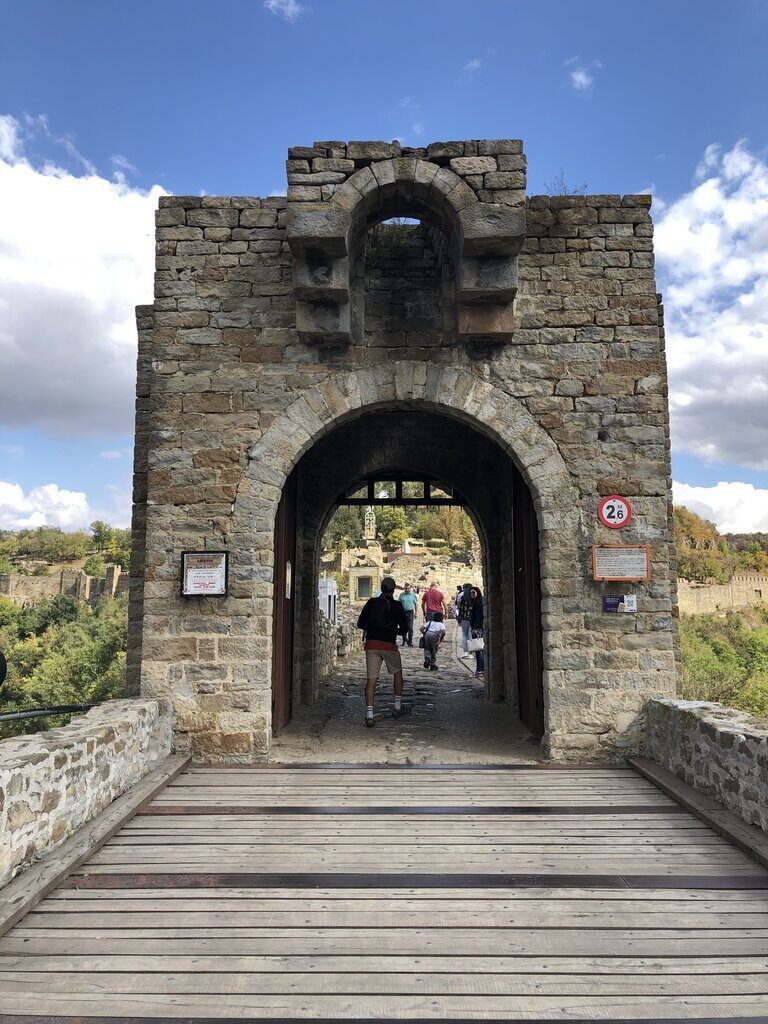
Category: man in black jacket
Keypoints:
(383, 620)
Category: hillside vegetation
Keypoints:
(60, 651)
(725, 658)
(33, 552)
(706, 556)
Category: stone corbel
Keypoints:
(318, 241)
(493, 236)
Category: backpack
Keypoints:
(379, 614)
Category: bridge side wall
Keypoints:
(719, 751)
(53, 782)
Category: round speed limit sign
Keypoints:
(614, 512)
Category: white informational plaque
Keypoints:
(621, 562)
(204, 573)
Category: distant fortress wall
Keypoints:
(70, 582)
(743, 590)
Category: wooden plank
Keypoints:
(645, 944)
(310, 896)
(220, 810)
(619, 1009)
(372, 985)
(27, 889)
(753, 841)
(105, 917)
(533, 965)
(104, 877)
(89, 900)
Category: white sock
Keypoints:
(398, 702)
(369, 711)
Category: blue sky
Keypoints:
(103, 106)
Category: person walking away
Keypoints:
(456, 599)
(463, 617)
(432, 601)
(434, 634)
(409, 601)
(382, 621)
(476, 619)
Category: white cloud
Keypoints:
(732, 507)
(112, 454)
(48, 505)
(122, 165)
(472, 66)
(288, 9)
(712, 254)
(76, 255)
(10, 138)
(582, 73)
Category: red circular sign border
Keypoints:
(615, 497)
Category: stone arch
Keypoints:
(486, 239)
(455, 392)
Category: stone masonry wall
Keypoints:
(249, 355)
(335, 640)
(741, 591)
(719, 751)
(53, 782)
(75, 583)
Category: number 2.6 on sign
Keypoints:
(614, 512)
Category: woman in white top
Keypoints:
(434, 633)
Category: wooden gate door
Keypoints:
(283, 607)
(528, 608)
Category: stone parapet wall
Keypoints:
(741, 591)
(335, 640)
(53, 782)
(719, 751)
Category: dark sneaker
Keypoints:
(426, 664)
(369, 723)
(433, 668)
(405, 709)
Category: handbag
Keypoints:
(421, 642)
(475, 644)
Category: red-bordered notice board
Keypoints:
(621, 562)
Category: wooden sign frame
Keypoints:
(622, 579)
(216, 593)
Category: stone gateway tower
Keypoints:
(290, 339)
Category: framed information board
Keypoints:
(204, 573)
(621, 562)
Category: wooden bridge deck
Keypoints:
(517, 893)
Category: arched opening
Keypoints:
(412, 438)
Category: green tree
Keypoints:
(397, 537)
(425, 525)
(62, 652)
(344, 529)
(94, 565)
(390, 519)
(102, 533)
(119, 548)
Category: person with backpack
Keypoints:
(382, 621)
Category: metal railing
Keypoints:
(61, 709)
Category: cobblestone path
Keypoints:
(450, 719)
